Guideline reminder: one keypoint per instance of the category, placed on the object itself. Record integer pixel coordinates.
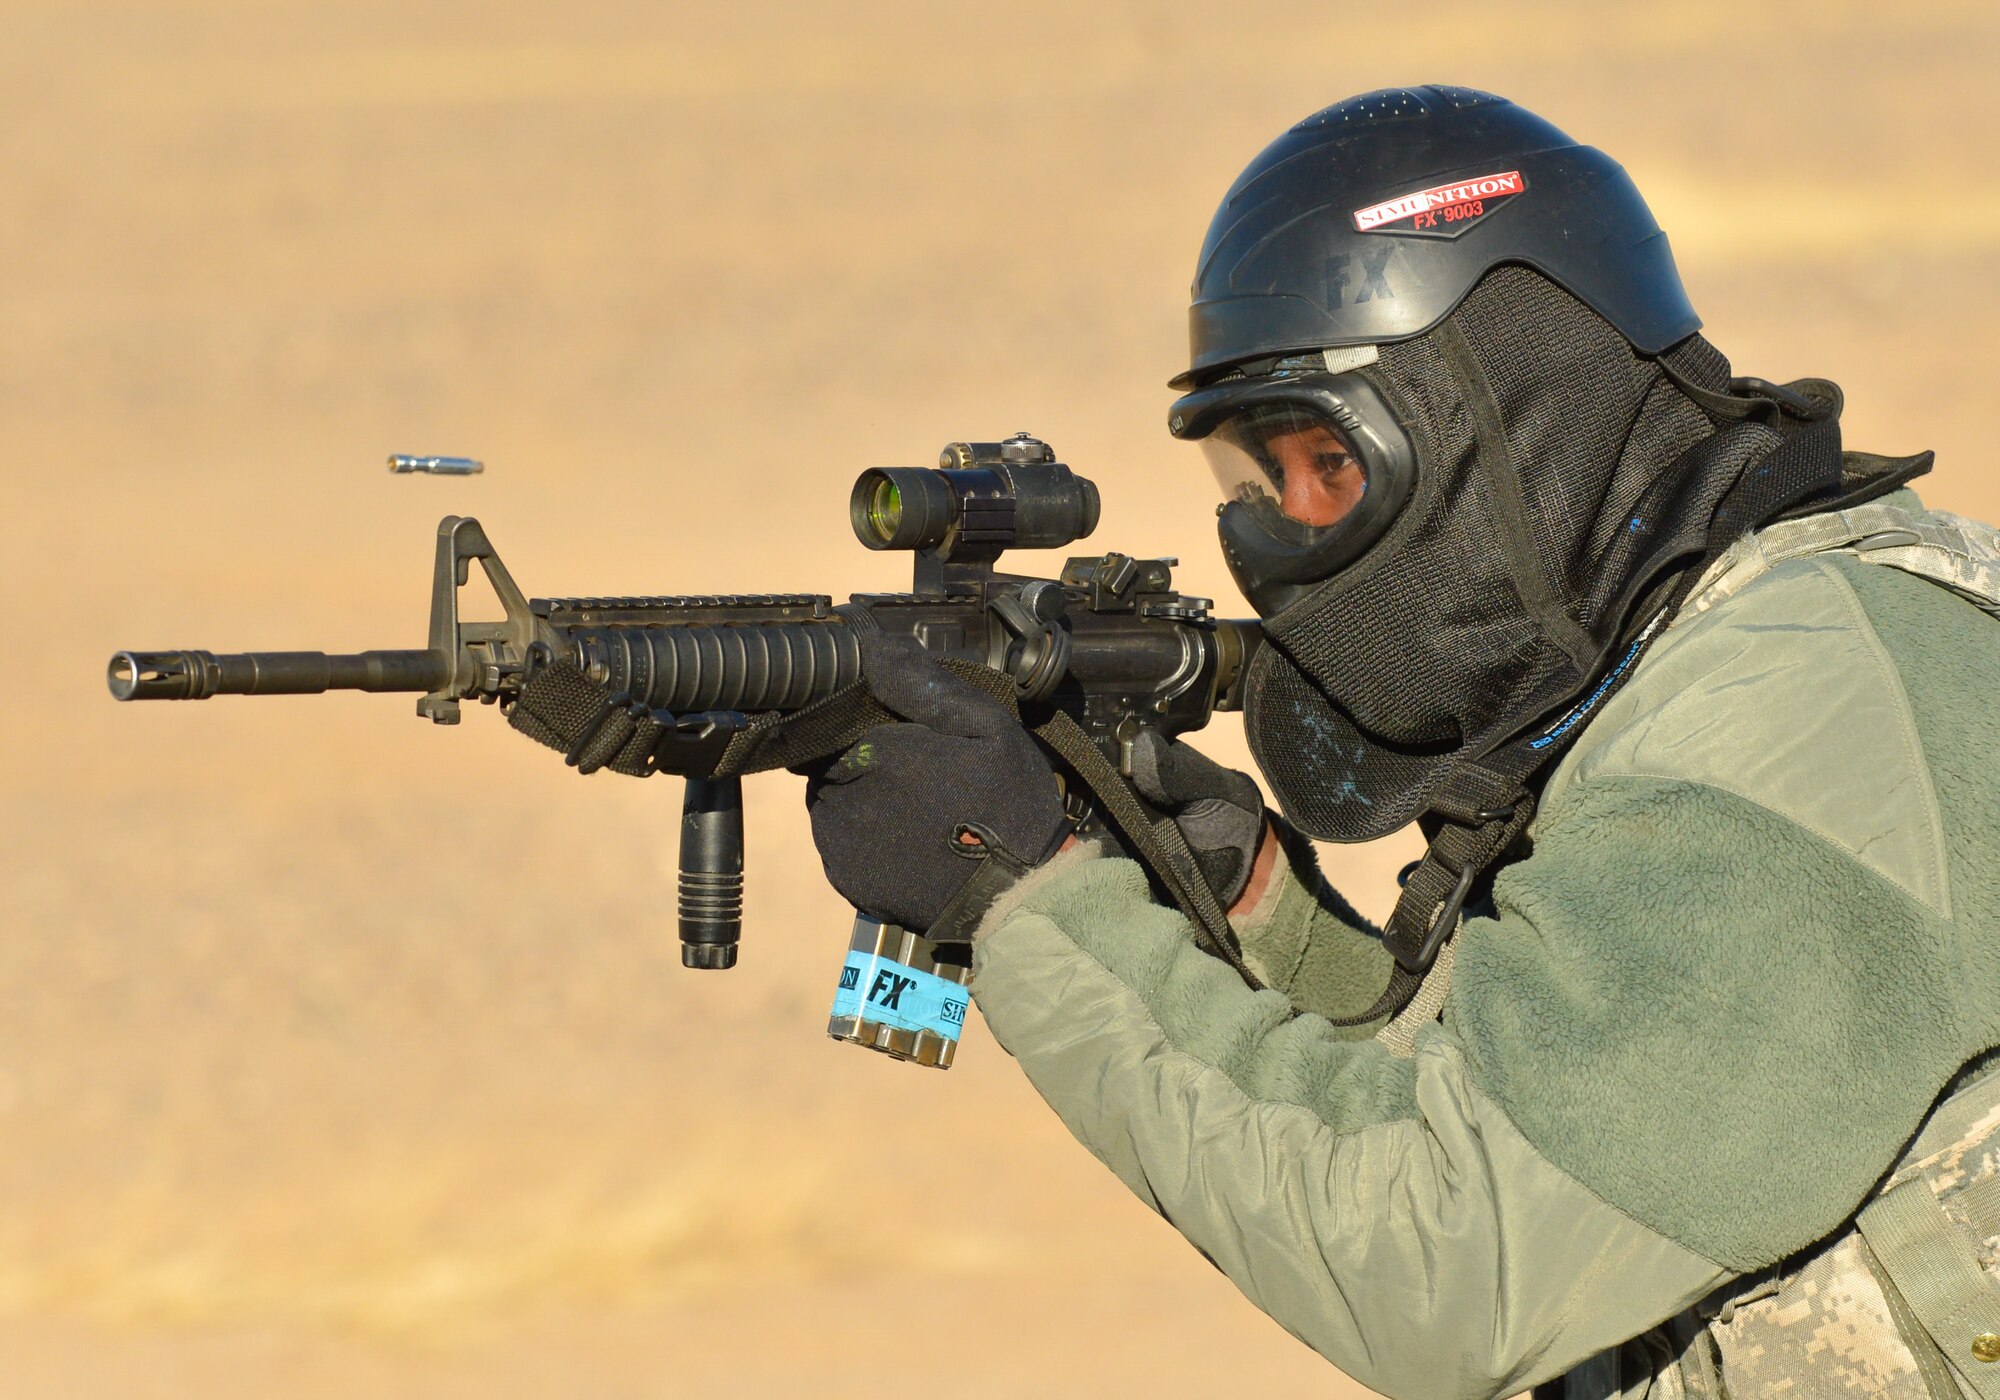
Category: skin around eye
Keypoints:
(1318, 480)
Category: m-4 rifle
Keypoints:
(712, 687)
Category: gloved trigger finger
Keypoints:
(1149, 751)
(1192, 775)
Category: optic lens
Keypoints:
(885, 509)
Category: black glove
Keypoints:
(889, 815)
(1219, 810)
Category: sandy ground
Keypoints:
(344, 1056)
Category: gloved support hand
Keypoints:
(908, 816)
(1219, 811)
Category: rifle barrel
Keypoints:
(196, 675)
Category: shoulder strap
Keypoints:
(1484, 808)
(1933, 1266)
(1931, 1261)
(1956, 553)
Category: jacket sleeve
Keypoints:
(1304, 939)
(1383, 1210)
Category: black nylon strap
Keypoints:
(1157, 842)
(1486, 808)
(819, 730)
(563, 708)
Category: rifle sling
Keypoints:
(1157, 843)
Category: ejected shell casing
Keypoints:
(404, 463)
(896, 997)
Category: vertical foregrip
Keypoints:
(711, 872)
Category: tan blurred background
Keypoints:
(344, 1056)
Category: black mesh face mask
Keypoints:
(1558, 474)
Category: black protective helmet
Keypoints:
(1369, 221)
(1364, 225)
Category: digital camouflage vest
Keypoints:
(1901, 1306)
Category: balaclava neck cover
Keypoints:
(1562, 476)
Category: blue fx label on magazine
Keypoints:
(879, 989)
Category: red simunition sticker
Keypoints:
(1442, 211)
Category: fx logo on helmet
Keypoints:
(1442, 211)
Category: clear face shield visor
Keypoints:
(1286, 462)
(1313, 468)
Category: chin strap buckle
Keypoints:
(1418, 958)
(1484, 814)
